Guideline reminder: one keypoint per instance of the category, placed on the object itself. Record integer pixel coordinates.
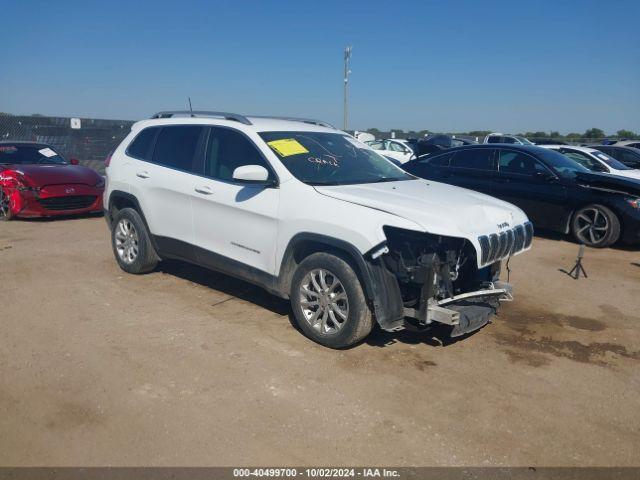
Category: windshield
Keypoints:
(29, 154)
(612, 162)
(563, 166)
(318, 158)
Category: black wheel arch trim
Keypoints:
(380, 286)
(119, 194)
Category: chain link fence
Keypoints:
(89, 140)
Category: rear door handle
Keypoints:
(204, 190)
(143, 175)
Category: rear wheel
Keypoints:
(328, 302)
(596, 226)
(5, 206)
(131, 243)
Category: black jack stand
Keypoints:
(577, 268)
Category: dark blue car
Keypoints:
(555, 192)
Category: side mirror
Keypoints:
(74, 161)
(544, 176)
(251, 174)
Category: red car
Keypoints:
(36, 181)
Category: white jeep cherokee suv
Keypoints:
(312, 215)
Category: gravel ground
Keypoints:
(187, 367)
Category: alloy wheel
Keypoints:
(324, 301)
(126, 238)
(593, 226)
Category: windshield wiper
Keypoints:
(388, 179)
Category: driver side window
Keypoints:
(227, 150)
(519, 163)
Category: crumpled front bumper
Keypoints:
(465, 312)
(56, 200)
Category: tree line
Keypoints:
(591, 133)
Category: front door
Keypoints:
(527, 183)
(234, 221)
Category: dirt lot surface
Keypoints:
(187, 367)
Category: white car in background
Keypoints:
(595, 160)
(396, 148)
(502, 138)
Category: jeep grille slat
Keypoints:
(496, 247)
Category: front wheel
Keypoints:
(596, 226)
(5, 206)
(328, 302)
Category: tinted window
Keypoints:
(29, 154)
(629, 157)
(479, 159)
(227, 150)
(176, 146)
(141, 145)
(519, 163)
(439, 161)
(494, 139)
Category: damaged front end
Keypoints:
(432, 278)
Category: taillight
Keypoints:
(107, 160)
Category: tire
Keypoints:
(596, 226)
(131, 243)
(5, 207)
(345, 318)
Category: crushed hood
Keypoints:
(434, 207)
(42, 175)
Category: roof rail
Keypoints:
(203, 113)
(296, 119)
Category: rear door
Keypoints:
(473, 168)
(168, 183)
(526, 182)
(432, 167)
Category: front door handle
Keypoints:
(143, 175)
(204, 190)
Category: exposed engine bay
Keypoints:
(440, 282)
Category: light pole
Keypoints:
(347, 57)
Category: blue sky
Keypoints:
(444, 66)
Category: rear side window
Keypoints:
(439, 161)
(176, 146)
(494, 139)
(142, 145)
(478, 159)
(227, 150)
